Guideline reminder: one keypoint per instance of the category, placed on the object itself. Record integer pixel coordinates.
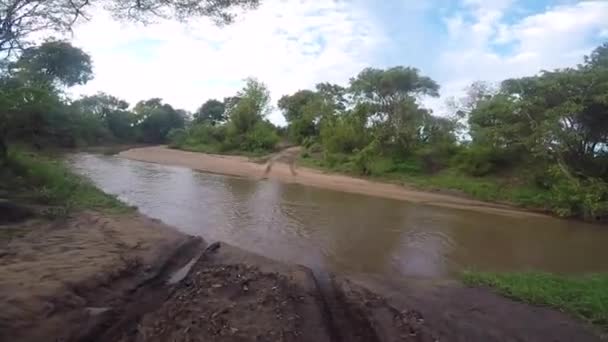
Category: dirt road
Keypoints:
(243, 167)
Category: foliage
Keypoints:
(112, 113)
(243, 126)
(585, 297)
(56, 62)
(539, 141)
(23, 19)
(156, 119)
(305, 110)
(48, 181)
(212, 111)
(570, 197)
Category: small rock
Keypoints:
(93, 311)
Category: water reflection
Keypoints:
(347, 233)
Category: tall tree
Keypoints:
(212, 111)
(156, 119)
(56, 62)
(252, 106)
(304, 110)
(29, 94)
(392, 97)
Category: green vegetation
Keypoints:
(539, 141)
(47, 181)
(37, 115)
(237, 125)
(585, 297)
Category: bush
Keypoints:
(50, 182)
(176, 137)
(436, 157)
(343, 135)
(479, 160)
(262, 137)
(586, 198)
(363, 160)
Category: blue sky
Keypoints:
(294, 44)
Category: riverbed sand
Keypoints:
(244, 167)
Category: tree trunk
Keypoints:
(3, 150)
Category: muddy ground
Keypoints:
(52, 273)
(102, 278)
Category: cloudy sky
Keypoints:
(294, 44)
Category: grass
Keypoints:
(585, 297)
(492, 189)
(48, 181)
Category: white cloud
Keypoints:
(286, 44)
(488, 47)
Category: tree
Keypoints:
(101, 104)
(293, 105)
(29, 94)
(21, 19)
(112, 111)
(55, 62)
(156, 120)
(392, 95)
(212, 111)
(388, 87)
(252, 106)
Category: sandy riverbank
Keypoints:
(243, 167)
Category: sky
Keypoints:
(294, 44)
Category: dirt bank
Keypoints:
(243, 167)
(53, 273)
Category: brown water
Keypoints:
(347, 233)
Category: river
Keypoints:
(346, 233)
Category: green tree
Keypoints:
(56, 62)
(252, 106)
(112, 111)
(392, 95)
(29, 94)
(303, 110)
(212, 111)
(156, 120)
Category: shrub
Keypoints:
(50, 182)
(262, 137)
(479, 160)
(586, 198)
(176, 137)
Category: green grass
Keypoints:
(585, 297)
(492, 189)
(47, 181)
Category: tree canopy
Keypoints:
(20, 19)
(54, 61)
(212, 111)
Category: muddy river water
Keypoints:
(347, 233)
